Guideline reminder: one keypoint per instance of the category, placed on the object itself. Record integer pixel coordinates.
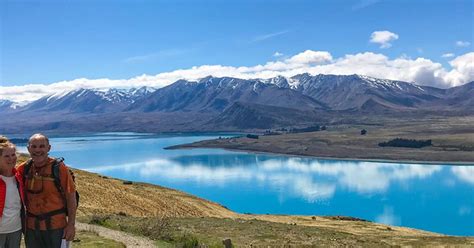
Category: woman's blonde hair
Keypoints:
(3, 139)
(5, 143)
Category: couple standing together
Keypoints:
(37, 198)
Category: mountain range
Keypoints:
(225, 103)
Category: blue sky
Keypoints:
(45, 42)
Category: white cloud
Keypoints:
(383, 38)
(448, 55)
(310, 57)
(461, 43)
(420, 70)
(463, 70)
(277, 54)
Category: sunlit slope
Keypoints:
(102, 195)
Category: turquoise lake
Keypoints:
(438, 198)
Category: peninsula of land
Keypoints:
(452, 142)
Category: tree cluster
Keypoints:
(252, 136)
(411, 143)
(306, 129)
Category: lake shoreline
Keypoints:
(452, 146)
(196, 145)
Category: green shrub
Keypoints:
(159, 228)
(99, 220)
(187, 241)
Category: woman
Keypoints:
(10, 197)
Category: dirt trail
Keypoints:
(127, 239)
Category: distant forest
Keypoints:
(307, 129)
(411, 143)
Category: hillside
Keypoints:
(103, 195)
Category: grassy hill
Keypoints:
(103, 195)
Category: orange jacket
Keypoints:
(42, 195)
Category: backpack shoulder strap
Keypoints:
(55, 173)
(57, 180)
(26, 169)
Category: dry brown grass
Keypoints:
(102, 195)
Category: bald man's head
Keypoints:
(38, 136)
(39, 147)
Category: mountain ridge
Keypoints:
(218, 103)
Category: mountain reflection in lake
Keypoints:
(431, 197)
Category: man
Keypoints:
(51, 211)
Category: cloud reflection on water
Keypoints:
(306, 178)
(388, 217)
(465, 173)
(363, 177)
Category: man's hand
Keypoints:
(69, 232)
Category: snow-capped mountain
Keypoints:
(6, 105)
(89, 100)
(341, 92)
(125, 96)
(215, 94)
(217, 103)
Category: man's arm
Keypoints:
(70, 192)
(70, 229)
